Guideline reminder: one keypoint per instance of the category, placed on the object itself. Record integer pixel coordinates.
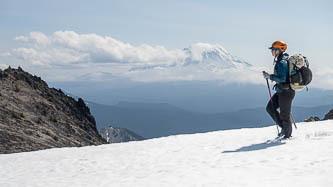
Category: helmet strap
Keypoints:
(276, 57)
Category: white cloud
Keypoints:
(35, 37)
(5, 54)
(22, 38)
(67, 55)
(98, 49)
(4, 66)
(30, 55)
(200, 73)
(67, 47)
(322, 78)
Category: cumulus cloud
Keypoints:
(35, 37)
(71, 47)
(67, 55)
(5, 54)
(3, 66)
(322, 78)
(200, 73)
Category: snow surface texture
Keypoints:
(223, 158)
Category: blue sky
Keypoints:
(244, 28)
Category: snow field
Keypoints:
(240, 157)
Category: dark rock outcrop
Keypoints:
(311, 119)
(34, 116)
(117, 135)
(329, 115)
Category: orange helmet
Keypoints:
(279, 45)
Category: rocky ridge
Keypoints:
(329, 115)
(34, 116)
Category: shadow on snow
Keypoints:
(255, 147)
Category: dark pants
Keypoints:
(282, 100)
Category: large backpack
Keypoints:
(300, 74)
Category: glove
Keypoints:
(266, 75)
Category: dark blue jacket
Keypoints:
(281, 72)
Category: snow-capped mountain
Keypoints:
(70, 56)
(208, 54)
(202, 55)
(199, 62)
(117, 135)
(244, 157)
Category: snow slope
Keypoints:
(223, 158)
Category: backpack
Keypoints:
(300, 74)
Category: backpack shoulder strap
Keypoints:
(306, 61)
(290, 68)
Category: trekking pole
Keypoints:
(292, 117)
(270, 97)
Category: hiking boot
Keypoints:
(282, 133)
(286, 137)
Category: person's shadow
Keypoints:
(255, 147)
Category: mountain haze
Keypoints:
(161, 119)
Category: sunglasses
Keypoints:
(273, 48)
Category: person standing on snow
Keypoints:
(284, 94)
